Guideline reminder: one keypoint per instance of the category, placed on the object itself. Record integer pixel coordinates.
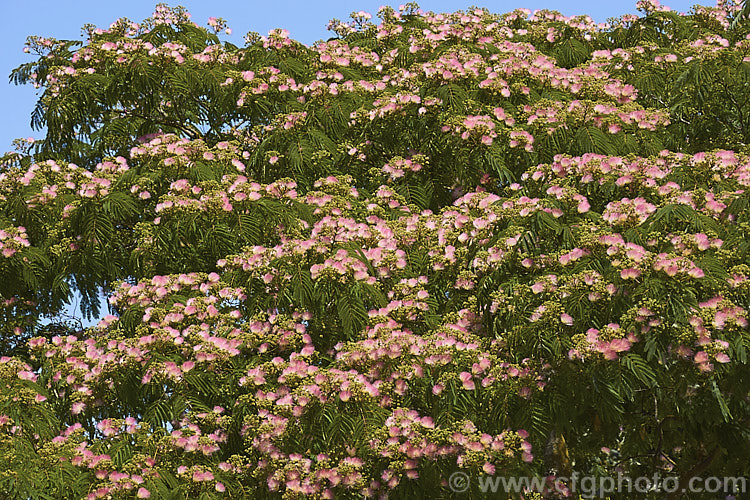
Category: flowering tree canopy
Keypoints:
(507, 244)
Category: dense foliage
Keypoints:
(500, 244)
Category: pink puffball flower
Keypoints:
(630, 273)
(721, 357)
(467, 381)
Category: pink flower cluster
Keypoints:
(12, 240)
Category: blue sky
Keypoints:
(306, 21)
